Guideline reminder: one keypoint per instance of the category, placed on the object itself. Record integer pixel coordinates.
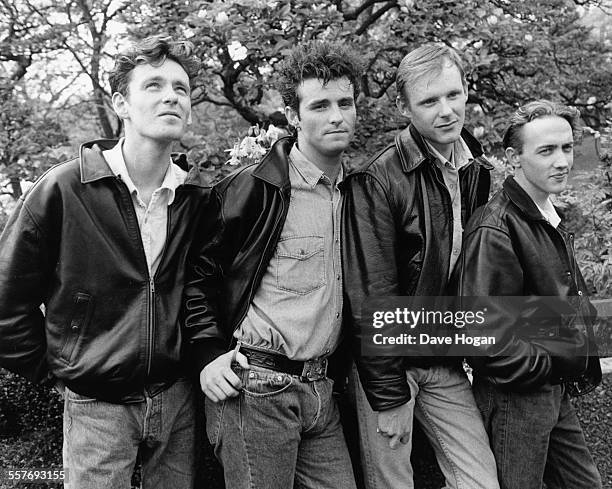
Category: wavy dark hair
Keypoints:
(534, 110)
(152, 50)
(317, 59)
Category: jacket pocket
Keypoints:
(74, 330)
(300, 264)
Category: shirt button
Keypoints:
(455, 252)
(337, 315)
(338, 277)
(580, 292)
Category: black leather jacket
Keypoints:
(228, 260)
(397, 222)
(73, 244)
(228, 263)
(511, 250)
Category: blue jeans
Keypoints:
(536, 437)
(102, 440)
(279, 433)
(443, 404)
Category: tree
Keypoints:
(516, 51)
(73, 33)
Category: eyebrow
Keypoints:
(547, 146)
(318, 101)
(157, 78)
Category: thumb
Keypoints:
(242, 360)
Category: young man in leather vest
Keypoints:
(517, 245)
(403, 218)
(101, 241)
(263, 306)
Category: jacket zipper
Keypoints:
(152, 323)
(151, 280)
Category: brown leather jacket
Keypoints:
(397, 223)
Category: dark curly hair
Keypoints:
(534, 110)
(152, 50)
(317, 59)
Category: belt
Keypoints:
(307, 371)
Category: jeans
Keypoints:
(443, 403)
(102, 440)
(536, 437)
(279, 433)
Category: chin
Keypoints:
(336, 149)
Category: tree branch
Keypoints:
(374, 17)
(352, 14)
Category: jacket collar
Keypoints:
(521, 199)
(94, 167)
(274, 167)
(413, 151)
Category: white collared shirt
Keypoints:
(152, 219)
(550, 214)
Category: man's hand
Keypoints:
(218, 380)
(396, 424)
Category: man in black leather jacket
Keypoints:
(263, 304)
(403, 219)
(517, 245)
(101, 241)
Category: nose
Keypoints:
(445, 108)
(563, 160)
(170, 95)
(335, 115)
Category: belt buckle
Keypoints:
(314, 370)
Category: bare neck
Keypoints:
(146, 162)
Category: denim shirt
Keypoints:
(297, 309)
(460, 156)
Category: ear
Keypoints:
(402, 106)
(292, 116)
(120, 105)
(513, 157)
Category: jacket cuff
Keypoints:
(387, 395)
(205, 351)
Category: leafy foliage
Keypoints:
(516, 51)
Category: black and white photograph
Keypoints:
(295, 244)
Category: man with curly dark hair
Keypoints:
(263, 306)
(101, 241)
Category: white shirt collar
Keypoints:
(174, 176)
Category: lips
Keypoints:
(447, 125)
(175, 114)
